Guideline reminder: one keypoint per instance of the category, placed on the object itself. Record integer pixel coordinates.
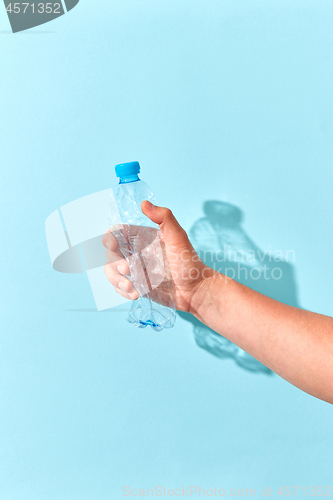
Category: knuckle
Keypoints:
(168, 213)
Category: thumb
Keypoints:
(165, 219)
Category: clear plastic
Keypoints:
(140, 243)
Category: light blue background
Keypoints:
(218, 99)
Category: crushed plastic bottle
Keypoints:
(140, 243)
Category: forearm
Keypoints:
(295, 344)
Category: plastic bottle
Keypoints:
(139, 241)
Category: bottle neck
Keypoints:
(128, 178)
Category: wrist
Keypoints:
(202, 299)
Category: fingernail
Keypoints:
(123, 286)
(133, 295)
(108, 245)
(120, 269)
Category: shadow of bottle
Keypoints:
(222, 244)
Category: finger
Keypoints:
(168, 223)
(109, 241)
(118, 261)
(130, 296)
(160, 215)
(123, 267)
(117, 279)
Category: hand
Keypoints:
(188, 272)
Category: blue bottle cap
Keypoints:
(130, 168)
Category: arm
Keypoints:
(295, 344)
